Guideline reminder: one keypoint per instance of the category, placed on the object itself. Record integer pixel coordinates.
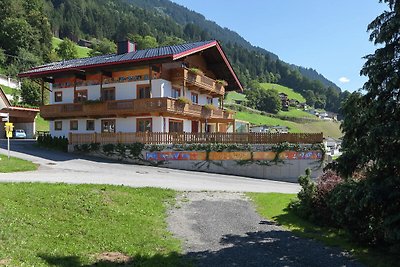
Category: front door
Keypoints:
(195, 126)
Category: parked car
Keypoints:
(19, 133)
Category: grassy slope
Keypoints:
(273, 206)
(329, 128)
(41, 124)
(282, 89)
(70, 225)
(82, 51)
(261, 120)
(7, 90)
(231, 96)
(15, 165)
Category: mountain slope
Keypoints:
(184, 16)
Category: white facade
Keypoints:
(123, 91)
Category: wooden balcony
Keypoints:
(199, 82)
(135, 107)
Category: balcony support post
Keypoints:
(42, 88)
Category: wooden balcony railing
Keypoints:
(187, 138)
(133, 107)
(201, 82)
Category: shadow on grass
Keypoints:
(260, 248)
(173, 259)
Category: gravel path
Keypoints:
(223, 229)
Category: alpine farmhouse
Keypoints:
(174, 89)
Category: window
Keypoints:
(143, 91)
(73, 125)
(108, 94)
(90, 125)
(175, 93)
(108, 126)
(58, 96)
(175, 126)
(143, 125)
(80, 96)
(209, 100)
(58, 125)
(194, 98)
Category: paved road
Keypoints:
(223, 229)
(71, 168)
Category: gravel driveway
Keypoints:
(223, 229)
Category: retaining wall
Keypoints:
(264, 165)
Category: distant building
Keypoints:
(22, 118)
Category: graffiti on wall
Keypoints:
(179, 155)
(230, 155)
(240, 155)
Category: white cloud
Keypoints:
(344, 80)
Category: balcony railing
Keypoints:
(133, 107)
(187, 138)
(201, 82)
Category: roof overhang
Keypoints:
(213, 52)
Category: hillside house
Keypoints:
(22, 118)
(285, 101)
(170, 89)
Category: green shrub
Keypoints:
(59, 143)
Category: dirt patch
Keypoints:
(4, 262)
(114, 257)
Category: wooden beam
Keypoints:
(80, 76)
(48, 80)
(42, 87)
(106, 73)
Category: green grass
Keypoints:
(41, 124)
(283, 89)
(71, 225)
(328, 128)
(296, 113)
(258, 119)
(232, 96)
(273, 206)
(7, 90)
(15, 165)
(82, 51)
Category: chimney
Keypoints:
(126, 46)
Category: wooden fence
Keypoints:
(188, 138)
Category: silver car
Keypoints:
(20, 133)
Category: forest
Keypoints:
(31, 25)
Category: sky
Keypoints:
(329, 36)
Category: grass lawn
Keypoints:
(7, 90)
(273, 206)
(41, 124)
(296, 113)
(15, 165)
(82, 225)
(259, 119)
(82, 51)
(232, 96)
(282, 89)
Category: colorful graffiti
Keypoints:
(293, 155)
(230, 155)
(166, 156)
(240, 155)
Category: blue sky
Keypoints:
(329, 36)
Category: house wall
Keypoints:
(127, 125)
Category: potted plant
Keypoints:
(221, 82)
(184, 100)
(196, 71)
(210, 107)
